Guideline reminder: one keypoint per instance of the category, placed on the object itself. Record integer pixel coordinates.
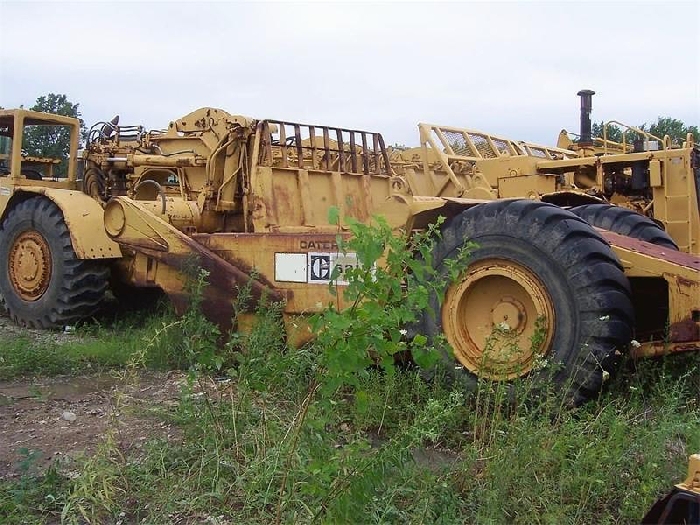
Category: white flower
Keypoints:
(403, 331)
(605, 318)
(540, 363)
(635, 343)
(606, 375)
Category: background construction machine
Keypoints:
(248, 200)
(650, 175)
(682, 504)
(647, 191)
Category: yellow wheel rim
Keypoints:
(30, 265)
(499, 319)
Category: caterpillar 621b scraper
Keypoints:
(248, 200)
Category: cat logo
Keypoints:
(320, 268)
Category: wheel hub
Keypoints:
(509, 314)
(30, 265)
(499, 319)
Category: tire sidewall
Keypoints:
(19, 221)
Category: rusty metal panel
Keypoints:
(681, 271)
(353, 153)
(326, 148)
(167, 254)
(656, 255)
(258, 251)
(341, 150)
(297, 143)
(375, 152)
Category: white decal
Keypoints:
(290, 267)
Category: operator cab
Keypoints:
(19, 130)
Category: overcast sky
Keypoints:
(512, 69)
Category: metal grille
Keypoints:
(482, 146)
(502, 146)
(477, 145)
(538, 152)
(457, 142)
(545, 152)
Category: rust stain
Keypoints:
(142, 243)
(225, 280)
(685, 282)
(205, 239)
(283, 196)
(659, 252)
(684, 331)
(684, 336)
(660, 348)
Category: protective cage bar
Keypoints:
(306, 146)
(460, 143)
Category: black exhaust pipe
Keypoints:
(586, 107)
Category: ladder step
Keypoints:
(679, 196)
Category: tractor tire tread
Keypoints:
(624, 222)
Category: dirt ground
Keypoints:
(59, 419)
(62, 418)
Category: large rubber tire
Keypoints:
(565, 291)
(43, 284)
(625, 222)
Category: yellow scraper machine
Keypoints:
(591, 244)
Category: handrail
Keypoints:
(666, 141)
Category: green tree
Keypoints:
(52, 141)
(674, 128)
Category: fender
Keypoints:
(425, 210)
(84, 217)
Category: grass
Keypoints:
(272, 434)
(35, 498)
(263, 448)
(90, 347)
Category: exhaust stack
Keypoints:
(586, 107)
